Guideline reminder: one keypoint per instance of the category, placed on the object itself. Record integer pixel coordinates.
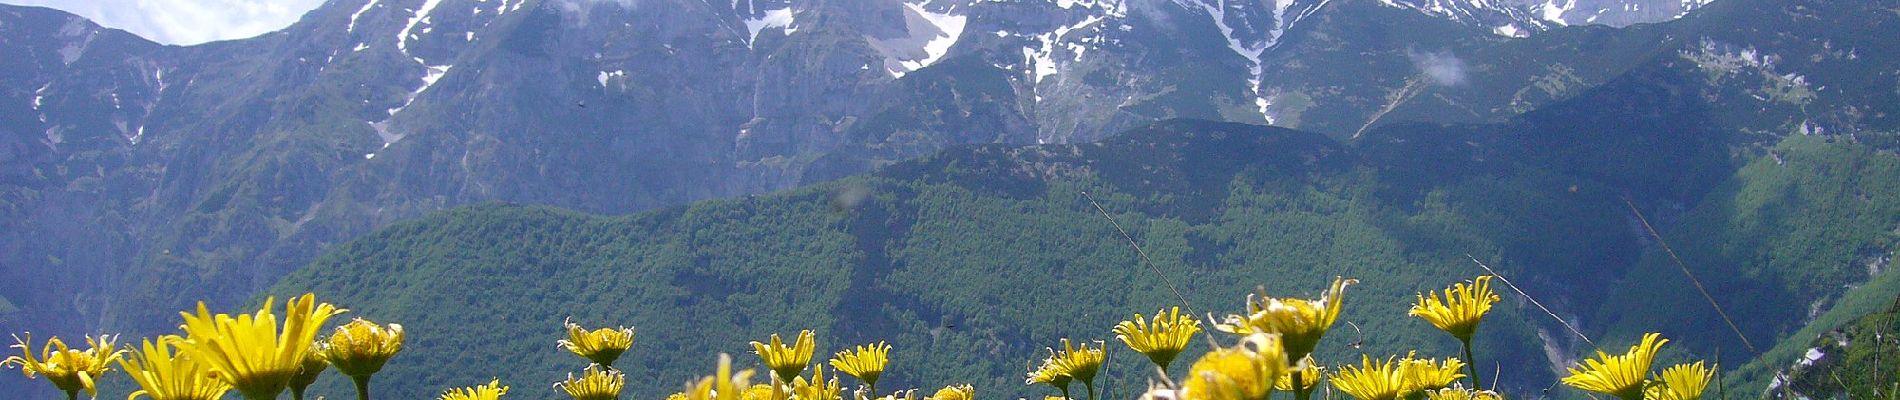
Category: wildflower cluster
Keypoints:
(1270, 347)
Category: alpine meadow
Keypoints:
(957, 200)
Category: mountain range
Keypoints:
(137, 177)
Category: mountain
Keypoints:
(140, 177)
(972, 260)
(150, 174)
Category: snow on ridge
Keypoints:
(949, 28)
(1555, 13)
(930, 36)
(780, 19)
(421, 14)
(1111, 8)
(359, 13)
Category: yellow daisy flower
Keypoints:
(1161, 339)
(248, 351)
(1424, 374)
(491, 391)
(786, 361)
(954, 392)
(69, 370)
(1621, 376)
(818, 388)
(1246, 371)
(864, 362)
(163, 374)
(1300, 322)
(360, 348)
(595, 383)
(1681, 382)
(1460, 309)
(602, 346)
(1372, 379)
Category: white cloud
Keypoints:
(185, 22)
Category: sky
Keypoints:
(185, 22)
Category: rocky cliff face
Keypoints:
(137, 177)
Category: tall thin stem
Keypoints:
(1473, 364)
(362, 387)
(1090, 385)
(1065, 393)
(1300, 391)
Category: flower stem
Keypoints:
(1473, 364)
(72, 395)
(296, 393)
(1065, 393)
(872, 387)
(362, 387)
(1090, 385)
(1300, 391)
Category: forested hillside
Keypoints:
(973, 260)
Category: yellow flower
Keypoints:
(1459, 392)
(818, 388)
(1300, 322)
(1309, 372)
(1162, 339)
(863, 362)
(1423, 374)
(1620, 376)
(595, 383)
(1681, 382)
(760, 392)
(901, 395)
(1372, 380)
(786, 361)
(1050, 374)
(68, 369)
(313, 365)
(1246, 371)
(491, 391)
(954, 392)
(165, 375)
(1460, 309)
(360, 348)
(602, 346)
(722, 385)
(1079, 363)
(248, 351)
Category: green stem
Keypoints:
(1090, 385)
(1300, 391)
(72, 395)
(1065, 392)
(362, 387)
(296, 393)
(1473, 364)
(872, 387)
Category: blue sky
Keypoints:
(185, 21)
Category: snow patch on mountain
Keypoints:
(420, 16)
(1247, 45)
(1553, 10)
(1108, 8)
(929, 36)
(779, 19)
(351, 28)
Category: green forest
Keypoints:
(971, 262)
